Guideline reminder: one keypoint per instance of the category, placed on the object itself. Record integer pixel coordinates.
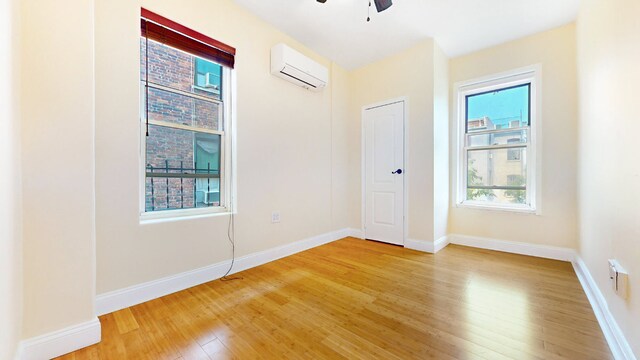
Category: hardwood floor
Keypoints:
(356, 299)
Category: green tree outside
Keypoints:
(474, 179)
(517, 196)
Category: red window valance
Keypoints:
(169, 32)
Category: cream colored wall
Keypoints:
(440, 142)
(10, 189)
(57, 163)
(341, 141)
(407, 74)
(288, 158)
(608, 61)
(557, 223)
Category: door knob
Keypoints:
(399, 171)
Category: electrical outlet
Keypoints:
(619, 278)
(275, 217)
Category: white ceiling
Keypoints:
(338, 29)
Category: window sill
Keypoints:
(178, 215)
(522, 209)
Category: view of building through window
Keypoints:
(208, 75)
(183, 149)
(496, 136)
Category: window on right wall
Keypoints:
(497, 122)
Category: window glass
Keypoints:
(499, 109)
(493, 178)
(496, 143)
(208, 76)
(184, 110)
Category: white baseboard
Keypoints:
(543, 251)
(133, 295)
(427, 246)
(356, 233)
(60, 342)
(440, 244)
(615, 338)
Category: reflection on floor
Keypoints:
(361, 299)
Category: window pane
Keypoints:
(208, 76)
(501, 138)
(192, 160)
(207, 153)
(180, 109)
(179, 70)
(487, 169)
(501, 109)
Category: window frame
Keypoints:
(227, 163)
(528, 75)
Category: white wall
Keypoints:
(289, 142)
(556, 225)
(57, 163)
(608, 60)
(10, 189)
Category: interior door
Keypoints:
(384, 173)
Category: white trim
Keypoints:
(542, 251)
(427, 246)
(133, 295)
(532, 74)
(154, 217)
(60, 342)
(440, 244)
(615, 338)
(363, 191)
(515, 208)
(356, 233)
(179, 126)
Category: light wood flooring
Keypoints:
(355, 299)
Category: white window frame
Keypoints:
(227, 167)
(533, 75)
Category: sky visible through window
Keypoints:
(501, 106)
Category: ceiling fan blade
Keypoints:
(382, 5)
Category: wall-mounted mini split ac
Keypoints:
(292, 66)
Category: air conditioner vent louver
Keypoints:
(298, 69)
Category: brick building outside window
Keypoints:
(185, 143)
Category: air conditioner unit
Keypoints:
(211, 80)
(294, 67)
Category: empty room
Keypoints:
(319, 179)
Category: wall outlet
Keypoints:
(275, 217)
(619, 278)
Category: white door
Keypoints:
(384, 173)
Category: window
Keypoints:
(497, 147)
(208, 76)
(514, 154)
(185, 120)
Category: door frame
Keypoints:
(363, 174)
